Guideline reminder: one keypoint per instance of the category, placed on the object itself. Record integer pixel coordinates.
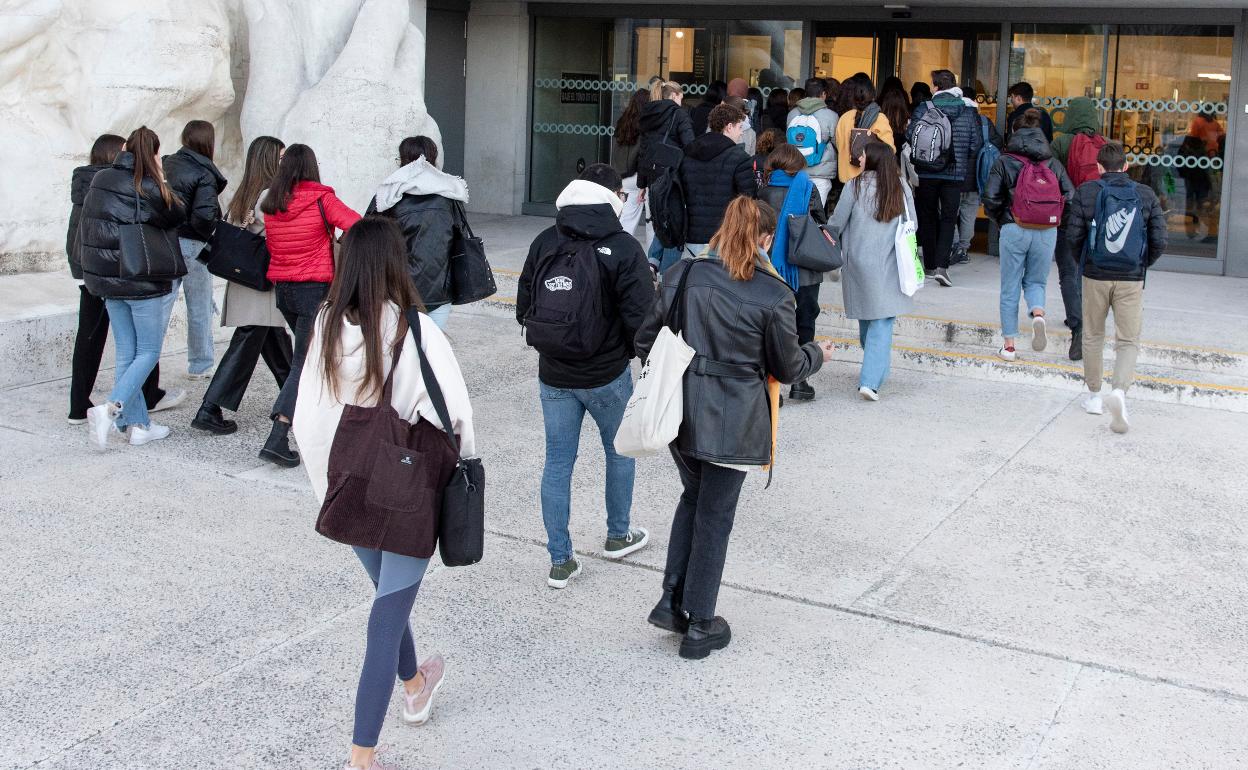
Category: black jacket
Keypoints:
(999, 192)
(699, 117)
(79, 183)
(744, 329)
(196, 180)
(628, 288)
(1083, 211)
(966, 140)
(1046, 122)
(428, 225)
(774, 197)
(658, 119)
(110, 203)
(715, 170)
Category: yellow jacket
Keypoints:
(882, 128)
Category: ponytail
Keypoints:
(737, 239)
(665, 89)
(144, 144)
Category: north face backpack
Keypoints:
(988, 155)
(1081, 158)
(931, 147)
(1116, 241)
(805, 133)
(567, 317)
(667, 208)
(1037, 196)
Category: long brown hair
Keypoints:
(298, 165)
(199, 136)
(144, 144)
(263, 156)
(736, 240)
(105, 149)
(893, 105)
(628, 127)
(890, 199)
(371, 273)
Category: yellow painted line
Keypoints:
(510, 273)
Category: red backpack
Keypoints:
(1037, 195)
(1081, 158)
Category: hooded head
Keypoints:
(590, 207)
(1082, 114)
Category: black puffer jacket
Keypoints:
(1083, 211)
(110, 203)
(999, 192)
(715, 171)
(428, 225)
(658, 119)
(196, 180)
(743, 332)
(79, 183)
(774, 197)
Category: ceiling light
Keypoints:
(680, 35)
(1215, 76)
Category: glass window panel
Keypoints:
(842, 57)
(1061, 62)
(918, 57)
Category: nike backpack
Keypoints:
(1081, 158)
(931, 145)
(805, 133)
(1116, 241)
(1037, 197)
(567, 317)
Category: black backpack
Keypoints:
(567, 317)
(667, 208)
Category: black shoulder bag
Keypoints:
(239, 255)
(149, 253)
(471, 277)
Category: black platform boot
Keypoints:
(277, 449)
(667, 614)
(210, 418)
(704, 636)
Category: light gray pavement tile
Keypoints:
(1128, 551)
(540, 678)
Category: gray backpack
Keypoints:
(931, 145)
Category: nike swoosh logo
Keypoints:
(1116, 244)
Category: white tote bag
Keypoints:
(655, 410)
(909, 266)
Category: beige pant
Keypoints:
(1127, 300)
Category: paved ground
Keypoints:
(968, 573)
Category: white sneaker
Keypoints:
(1093, 404)
(868, 394)
(1039, 339)
(101, 421)
(153, 432)
(171, 399)
(200, 375)
(1006, 354)
(1117, 403)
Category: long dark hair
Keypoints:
(199, 136)
(105, 149)
(778, 107)
(144, 144)
(628, 127)
(890, 199)
(298, 165)
(893, 105)
(371, 273)
(415, 147)
(263, 156)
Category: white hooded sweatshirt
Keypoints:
(420, 177)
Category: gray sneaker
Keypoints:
(561, 574)
(619, 547)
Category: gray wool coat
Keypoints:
(248, 307)
(869, 281)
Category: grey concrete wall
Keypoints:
(496, 118)
(1235, 228)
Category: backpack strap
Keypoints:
(678, 300)
(430, 379)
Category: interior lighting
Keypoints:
(1215, 76)
(680, 35)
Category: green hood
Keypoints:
(1082, 115)
(811, 104)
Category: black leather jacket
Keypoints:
(743, 331)
(428, 225)
(659, 119)
(78, 186)
(196, 180)
(110, 203)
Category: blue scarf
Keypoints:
(796, 203)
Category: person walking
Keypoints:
(1119, 228)
(1020, 98)
(259, 329)
(776, 113)
(939, 197)
(427, 203)
(700, 116)
(812, 129)
(867, 216)
(1026, 246)
(864, 115)
(790, 191)
(133, 191)
(727, 422)
(968, 208)
(360, 352)
(583, 292)
(715, 170)
(92, 334)
(300, 217)
(663, 122)
(195, 179)
(625, 154)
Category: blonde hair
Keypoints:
(665, 89)
(736, 240)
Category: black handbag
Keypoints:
(812, 246)
(471, 277)
(461, 525)
(147, 252)
(239, 255)
(661, 155)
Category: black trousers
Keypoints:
(1071, 281)
(937, 202)
(700, 531)
(89, 350)
(298, 303)
(807, 312)
(247, 346)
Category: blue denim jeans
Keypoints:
(197, 285)
(440, 315)
(876, 338)
(1026, 256)
(662, 258)
(563, 411)
(138, 334)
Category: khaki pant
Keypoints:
(1127, 300)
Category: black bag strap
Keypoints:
(667, 132)
(461, 218)
(328, 229)
(678, 301)
(431, 381)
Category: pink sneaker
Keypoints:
(418, 707)
(376, 765)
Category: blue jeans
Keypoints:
(138, 334)
(440, 315)
(563, 411)
(662, 258)
(1026, 256)
(197, 285)
(876, 338)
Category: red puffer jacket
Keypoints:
(299, 246)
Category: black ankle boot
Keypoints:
(1076, 345)
(704, 636)
(277, 449)
(802, 391)
(209, 418)
(667, 614)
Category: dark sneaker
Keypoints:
(1076, 346)
(959, 256)
(802, 391)
(561, 574)
(619, 547)
(942, 277)
(705, 636)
